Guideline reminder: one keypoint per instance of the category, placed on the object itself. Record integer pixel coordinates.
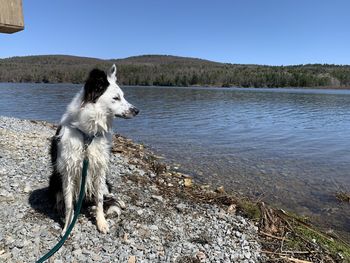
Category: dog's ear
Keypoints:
(112, 74)
(95, 85)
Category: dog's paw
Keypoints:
(102, 226)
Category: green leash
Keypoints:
(76, 214)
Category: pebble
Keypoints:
(153, 227)
(181, 207)
(139, 212)
(27, 188)
(96, 257)
(247, 255)
(158, 198)
(132, 259)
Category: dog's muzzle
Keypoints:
(132, 112)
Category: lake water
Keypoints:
(289, 147)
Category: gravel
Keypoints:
(152, 227)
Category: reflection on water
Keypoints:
(288, 146)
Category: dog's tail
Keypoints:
(112, 206)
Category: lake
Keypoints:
(289, 147)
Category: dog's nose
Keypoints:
(135, 111)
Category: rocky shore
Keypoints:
(167, 218)
(163, 220)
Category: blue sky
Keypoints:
(273, 32)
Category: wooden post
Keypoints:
(11, 16)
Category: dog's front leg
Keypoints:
(68, 202)
(102, 224)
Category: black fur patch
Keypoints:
(55, 185)
(54, 142)
(95, 85)
(109, 186)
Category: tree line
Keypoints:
(159, 70)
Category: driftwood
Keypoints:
(270, 222)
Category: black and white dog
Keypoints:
(87, 121)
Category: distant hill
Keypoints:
(162, 70)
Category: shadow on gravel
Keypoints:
(40, 202)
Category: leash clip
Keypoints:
(88, 139)
(86, 145)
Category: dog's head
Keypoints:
(102, 89)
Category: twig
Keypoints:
(296, 260)
(300, 252)
(272, 236)
(261, 198)
(282, 243)
(274, 253)
(286, 253)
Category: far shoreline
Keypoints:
(197, 86)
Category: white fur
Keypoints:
(90, 118)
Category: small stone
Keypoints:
(96, 257)
(188, 182)
(232, 209)
(220, 190)
(15, 252)
(181, 207)
(158, 197)
(153, 227)
(144, 233)
(126, 238)
(132, 259)
(201, 256)
(139, 212)
(19, 244)
(247, 255)
(77, 253)
(27, 188)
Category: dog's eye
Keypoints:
(116, 98)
